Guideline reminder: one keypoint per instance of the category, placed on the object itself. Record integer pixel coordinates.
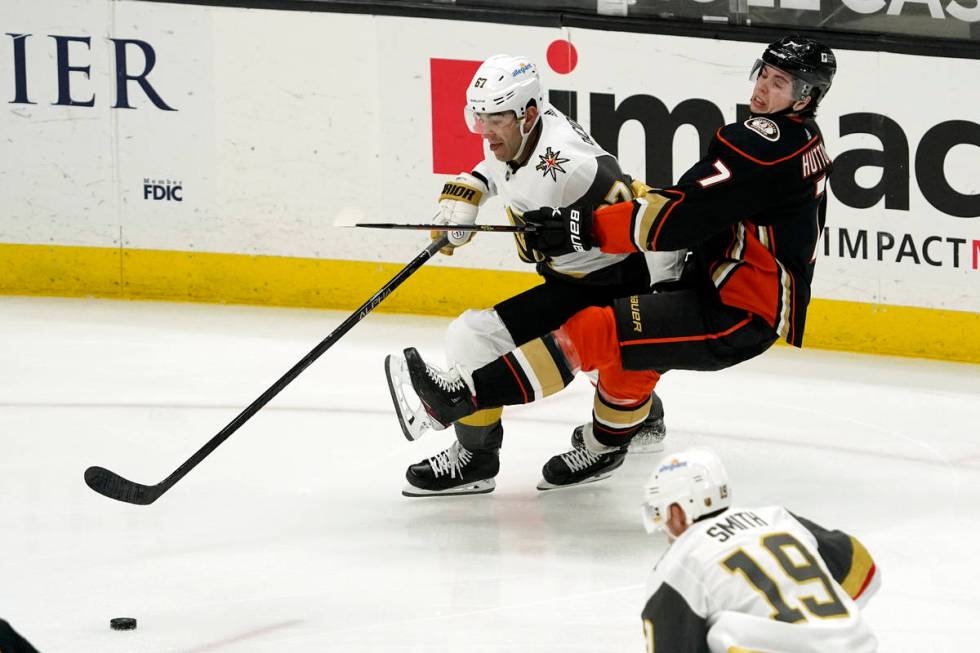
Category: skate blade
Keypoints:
(414, 422)
(649, 440)
(545, 486)
(479, 487)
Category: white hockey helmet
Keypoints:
(502, 83)
(694, 478)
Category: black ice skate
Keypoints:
(452, 472)
(650, 437)
(580, 465)
(443, 396)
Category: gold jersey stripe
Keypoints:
(522, 249)
(722, 271)
(738, 248)
(655, 204)
(861, 564)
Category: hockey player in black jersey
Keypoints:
(750, 211)
(739, 578)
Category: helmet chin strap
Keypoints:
(524, 137)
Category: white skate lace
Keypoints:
(451, 461)
(579, 458)
(447, 382)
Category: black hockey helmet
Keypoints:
(811, 63)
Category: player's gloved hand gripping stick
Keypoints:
(459, 203)
(116, 487)
(559, 231)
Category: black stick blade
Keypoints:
(112, 485)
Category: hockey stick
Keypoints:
(116, 487)
(520, 229)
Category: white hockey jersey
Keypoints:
(760, 580)
(567, 167)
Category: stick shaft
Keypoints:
(131, 493)
(500, 228)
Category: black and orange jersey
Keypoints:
(751, 211)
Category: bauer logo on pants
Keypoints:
(635, 314)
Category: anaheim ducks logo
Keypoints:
(550, 164)
(764, 127)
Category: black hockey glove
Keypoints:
(560, 230)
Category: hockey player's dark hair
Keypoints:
(709, 515)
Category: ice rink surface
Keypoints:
(293, 536)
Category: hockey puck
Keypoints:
(122, 623)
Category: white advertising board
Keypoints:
(188, 128)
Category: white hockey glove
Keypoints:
(458, 204)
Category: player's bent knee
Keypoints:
(592, 333)
(476, 338)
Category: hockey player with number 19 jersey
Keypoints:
(748, 579)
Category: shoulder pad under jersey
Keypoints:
(766, 140)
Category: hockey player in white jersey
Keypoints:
(752, 580)
(533, 156)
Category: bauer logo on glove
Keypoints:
(560, 231)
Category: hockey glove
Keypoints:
(560, 230)
(458, 204)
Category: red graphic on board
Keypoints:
(454, 147)
(562, 56)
